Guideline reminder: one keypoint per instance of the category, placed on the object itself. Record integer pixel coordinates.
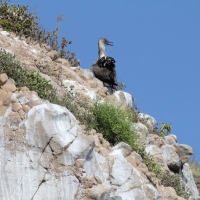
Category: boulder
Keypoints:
(3, 79)
(147, 120)
(50, 122)
(156, 140)
(184, 151)
(126, 149)
(174, 137)
(142, 132)
(134, 159)
(155, 152)
(9, 86)
(171, 158)
(170, 140)
(74, 87)
(81, 147)
(124, 98)
(119, 165)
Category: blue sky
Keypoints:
(156, 48)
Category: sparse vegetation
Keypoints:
(25, 77)
(17, 19)
(174, 180)
(34, 81)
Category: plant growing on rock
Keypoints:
(115, 123)
(165, 129)
(17, 19)
(174, 180)
(25, 77)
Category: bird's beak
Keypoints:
(108, 43)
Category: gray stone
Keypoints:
(126, 149)
(171, 158)
(147, 120)
(170, 140)
(155, 152)
(184, 151)
(189, 181)
(119, 165)
(143, 132)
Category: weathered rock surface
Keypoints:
(184, 151)
(189, 180)
(46, 154)
(171, 158)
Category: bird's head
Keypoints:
(105, 42)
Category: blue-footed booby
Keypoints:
(104, 68)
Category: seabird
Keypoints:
(104, 68)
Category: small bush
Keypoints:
(25, 77)
(115, 123)
(172, 180)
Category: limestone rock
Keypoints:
(155, 152)
(3, 79)
(124, 98)
(16, 107)
(134, 159)
(142, 131)
(189, 181)
(126, 149)
(50, 121)
(156, 140)
(119, 165)
(174, 137)
(52, 54)
(81, 146)
(147, 120)
(74, 87)
(171, 158)
(9, 86)
(170, 140)
(88, 74)
(184, 151)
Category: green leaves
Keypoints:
(165, 129)
(115, 123)
(25, 77)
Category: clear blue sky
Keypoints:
(156, 48)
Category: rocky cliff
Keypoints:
(47, 154)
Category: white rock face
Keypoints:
(26, 157)
(155, 152)
(143, 132)
(50, 122)
(189, 181)
(119, 165)
(74, 87)
(124, 98)
(170, 140)
(147, 120)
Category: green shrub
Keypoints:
(25, 77)
(174, 180)
(115, 123)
